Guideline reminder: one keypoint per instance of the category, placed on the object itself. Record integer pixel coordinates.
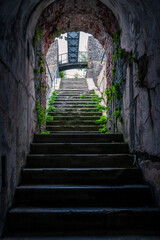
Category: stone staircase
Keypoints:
(78, 182)
(72, 112)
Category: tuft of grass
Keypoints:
(83, 96)
(103, 124)
(49, 118)
(46, 132)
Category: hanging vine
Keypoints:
(40, 85)
(114, 91)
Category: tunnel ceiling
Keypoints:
(133, 17)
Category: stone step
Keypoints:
(72, 99)
(73, 106)
(75, 114)
(73, 131)
(74, 118)
(77, 138)
(64, 94)
(79, 100)
(80, 148)
(70, 85)
(77, 109)
(73, 94)
(75, 82)
(74, 90)
(80, 221)
(82, 176)
(79, 86)
(78, 160)
(70, 123)
(75, 127)
(131, 236)
(83, 196)
(81, 82)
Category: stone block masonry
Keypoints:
(95, 55)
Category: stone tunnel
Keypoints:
(138, 24)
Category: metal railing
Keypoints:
(82, 57)
(55, 76)
(53, 80)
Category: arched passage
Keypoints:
(66, 16)
(17, 63)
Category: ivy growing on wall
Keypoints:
(41, 114)
(37, 36)
(114, 91)
(40, 85)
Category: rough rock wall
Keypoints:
(95, 55)
(17, 103)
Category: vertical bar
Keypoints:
(56, 74)
(54, 83)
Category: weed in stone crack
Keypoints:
(86, 110)
(38, 35)
(46, 132)
(49, 118)
(41, 114)
(51, 109)
(83, 96)
(103, 124)
(101, 108)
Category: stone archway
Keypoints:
(66, 16)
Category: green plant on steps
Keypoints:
(46, 132)
(53, 98)
(49, 118)
(41, 114)
(86, 110)
(101, 108)
(103, 124)
(62, 74)
(95, 98)
(83, 96)
(51, 109)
